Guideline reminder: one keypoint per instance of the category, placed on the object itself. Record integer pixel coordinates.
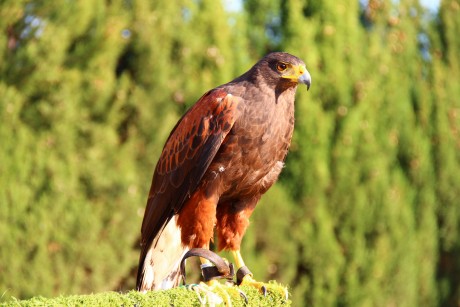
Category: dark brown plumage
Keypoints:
(221, 157)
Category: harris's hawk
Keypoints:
(221, 157)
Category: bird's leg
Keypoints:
(232, 222)
(213, 287)
(213, 268)
(238, 259)
(245, 277)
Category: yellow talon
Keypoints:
(248, 279)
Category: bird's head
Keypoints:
(283, 67)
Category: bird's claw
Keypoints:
(196, 289)
(243, 296)
(206, 295)
(214, 293)
(249, 281)
(264, 288)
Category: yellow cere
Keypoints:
(295, 72)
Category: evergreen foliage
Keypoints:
(366, 211)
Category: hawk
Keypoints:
(224, 153)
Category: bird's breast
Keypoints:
(251, 157)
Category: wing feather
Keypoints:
(188, 152)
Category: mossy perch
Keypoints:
(173, 297)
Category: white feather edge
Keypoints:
(162, 262)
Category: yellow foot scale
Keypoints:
(213, 293)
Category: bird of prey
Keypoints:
(224, 153)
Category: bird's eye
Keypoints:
(281, 66)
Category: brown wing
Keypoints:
(188, 152)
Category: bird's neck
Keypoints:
(286, 92)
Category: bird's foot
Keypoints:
(264, 288)
(213, 293)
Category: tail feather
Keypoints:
(161, 266)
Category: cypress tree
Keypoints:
(65, 207)
(89, 92)
(445, 119)
(361, 166)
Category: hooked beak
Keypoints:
(305, 78)
(299, 74)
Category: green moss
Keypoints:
(181, 296)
